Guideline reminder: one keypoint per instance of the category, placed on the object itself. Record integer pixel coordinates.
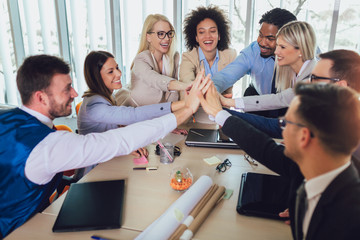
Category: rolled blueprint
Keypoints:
(168, 222)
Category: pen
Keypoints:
(99, 238)
(251, 161)
(197, 133)
(145, 168)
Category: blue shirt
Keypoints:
(214, 67)
(248, 62)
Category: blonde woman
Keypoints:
(154, 72)
(295, 52)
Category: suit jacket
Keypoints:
(278, 100)
(190, 64)
(337, 214)
(148, 85)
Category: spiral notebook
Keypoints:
(91, 206)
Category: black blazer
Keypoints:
(337, 214)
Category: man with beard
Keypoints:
(321, 131)
(33, 155)
(257, 60)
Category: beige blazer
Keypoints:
(190, 64)
(148, 85)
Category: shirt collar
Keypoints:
(317, 185)
(303, 67)
(42, 118)
(202, 56)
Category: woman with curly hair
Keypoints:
(207, 37)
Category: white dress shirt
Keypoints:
(62, 150)
(314, 188)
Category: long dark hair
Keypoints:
(94, 61)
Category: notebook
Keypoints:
(263, 195)
(91, 206)
(209, 138)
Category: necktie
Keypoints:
(300, 210)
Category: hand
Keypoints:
(210, 101)
(227, 95)
(227, 102)
(176, 85)
(140, 152)
(285, 214)
(200, 84)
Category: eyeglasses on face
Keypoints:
(162, 34)
(222, 167)
(314, 77)
(282, 124)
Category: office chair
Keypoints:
(68, 177)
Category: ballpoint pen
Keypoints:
(197, 133)
(99, 238)
(250, 160)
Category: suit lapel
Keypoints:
(325, 202)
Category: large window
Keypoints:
(72, 28)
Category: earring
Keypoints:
(300, 55)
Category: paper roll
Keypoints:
(167, 223)
(201, 217)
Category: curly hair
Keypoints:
(277, 17)
(196, 16)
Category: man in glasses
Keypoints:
(321, 131)
(340, 67)
(256, 60)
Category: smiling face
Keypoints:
(60, 95)
(207, 35)
(111, 74)
(159, 46)
(267, 39)
(288, 55)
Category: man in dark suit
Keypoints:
(321, 131)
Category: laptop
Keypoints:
(91, 206)
(263, 195)
(209, 138)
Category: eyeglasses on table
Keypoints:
(222, 167)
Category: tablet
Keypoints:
(263, 195)
(91, 206)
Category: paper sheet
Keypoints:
(140, 161)
(212, 160)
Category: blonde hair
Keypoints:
(301, 36)
(149, 23)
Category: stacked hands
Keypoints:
(203, 91)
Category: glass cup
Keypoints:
(164, 156)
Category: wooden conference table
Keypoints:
(148, 195)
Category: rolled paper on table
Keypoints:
(186, 223)
(179, 231)
(201, 217)
(167, 223)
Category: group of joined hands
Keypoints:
(201, 91)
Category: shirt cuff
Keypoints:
(221, 117)
(239, 103)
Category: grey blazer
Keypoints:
(148, 86)
(278, 100)
(96, 114)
